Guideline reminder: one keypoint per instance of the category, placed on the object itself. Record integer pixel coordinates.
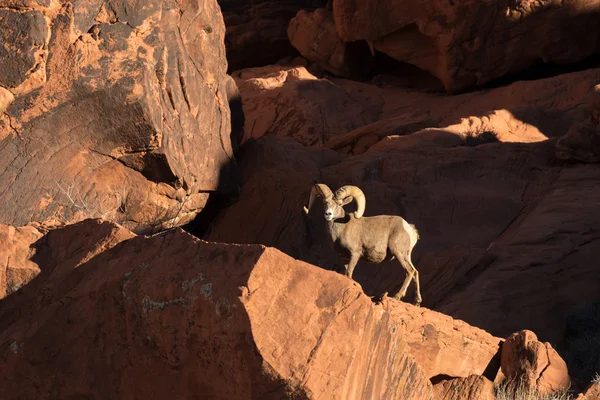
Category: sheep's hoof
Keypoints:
(418, 303)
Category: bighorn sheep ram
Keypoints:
(373, 239)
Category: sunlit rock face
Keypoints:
(112, 109)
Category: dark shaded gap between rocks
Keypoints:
(226, 194)
(541, 70)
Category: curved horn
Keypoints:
(320, 189)
(357, 194)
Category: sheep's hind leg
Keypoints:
(418, 298)
(410, 270)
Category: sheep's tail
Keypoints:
(416, 231)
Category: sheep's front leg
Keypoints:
(351, 265)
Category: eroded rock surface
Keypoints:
(112, 109)
(289, 101)
(184, 311)
(24, 51)
(470, 388)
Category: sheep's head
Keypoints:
(334, 202)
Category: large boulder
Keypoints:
(466, 43)
(112, 109)
(533, 364)
(171, 316)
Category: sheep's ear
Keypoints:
(347, 200)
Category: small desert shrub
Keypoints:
(473, 139)
(516, 390)
(582, 343)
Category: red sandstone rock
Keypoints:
(174, 317)
(16, 267)
(533, 363)
(472, 387)
(315, 37)
(444, 346)
(112, 110)
(289, 101)
(466, 44)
